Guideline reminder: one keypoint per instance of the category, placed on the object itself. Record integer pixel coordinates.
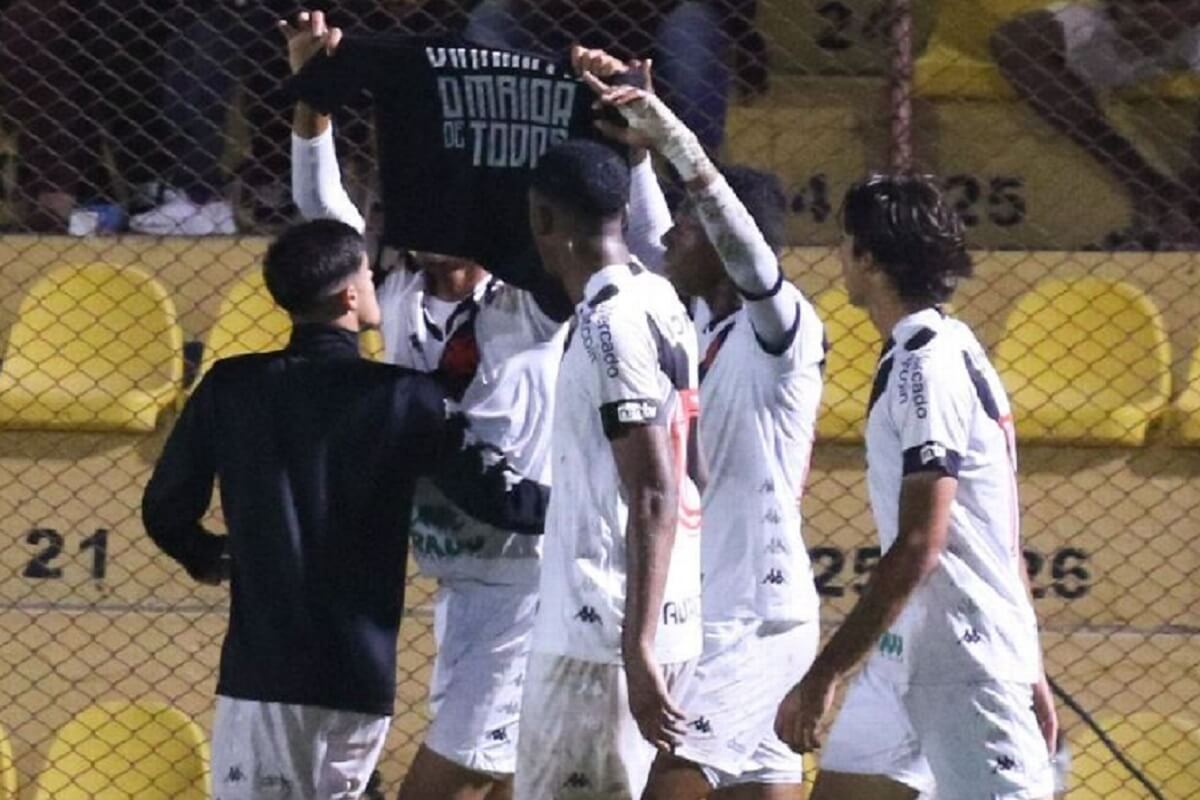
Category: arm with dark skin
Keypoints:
(643, 459)
(925, 501)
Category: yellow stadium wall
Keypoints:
(1116, 529)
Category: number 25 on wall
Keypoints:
(52, 543)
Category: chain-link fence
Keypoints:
(1064, 135)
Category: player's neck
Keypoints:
(886, 309)
(589, 256)
(455, 285)
(722, 300)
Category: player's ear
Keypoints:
(346, 298)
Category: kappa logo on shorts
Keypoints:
(235, 774)
(701, 725)
(972, 636)
(1004, 764)
(577, 780)
(498, 735)
(588, 615)
(775, 578)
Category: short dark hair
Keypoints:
(911, 232)
(585, 176)
(763, 196)
(309, 261)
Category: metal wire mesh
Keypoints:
(1063, 135)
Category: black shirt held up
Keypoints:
(317, 451)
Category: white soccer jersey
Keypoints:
(756, 433)
(631, 359)
(937, 404)
(505, 352)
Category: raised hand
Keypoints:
(306, 35)
(597, 61)
(651, 123)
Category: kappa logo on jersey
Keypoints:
(588, 615)
(972, 636)
(775, 578)
(773, 516)
(577, 780)
(1004, 764)
(498, 735)
(777, 547)
(768, 487)
(701, 725)
(235, 774)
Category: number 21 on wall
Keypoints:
(52, 543)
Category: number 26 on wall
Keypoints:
(51, 544)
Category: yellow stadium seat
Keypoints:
(8, 769)
(849, 367)
(1166, 749)
(247, 322)
(1186, 411)
(127, 751)
(371, 343)
(957, 62)
(94, 347)
(1085, 361)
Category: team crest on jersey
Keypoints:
(891, 645)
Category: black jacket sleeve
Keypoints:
(477, 477)
(180, 490)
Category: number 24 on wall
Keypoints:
(52, 543)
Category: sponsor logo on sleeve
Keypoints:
(932, 453)
(637, 411)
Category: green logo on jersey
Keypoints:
(437, 547)
(892, 645)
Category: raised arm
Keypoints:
(749, 261)
(317, 186)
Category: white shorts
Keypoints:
(482, 632)
(272, 751)
(746, 669)
(954, 740)
(1098, 54)
(578, 737)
